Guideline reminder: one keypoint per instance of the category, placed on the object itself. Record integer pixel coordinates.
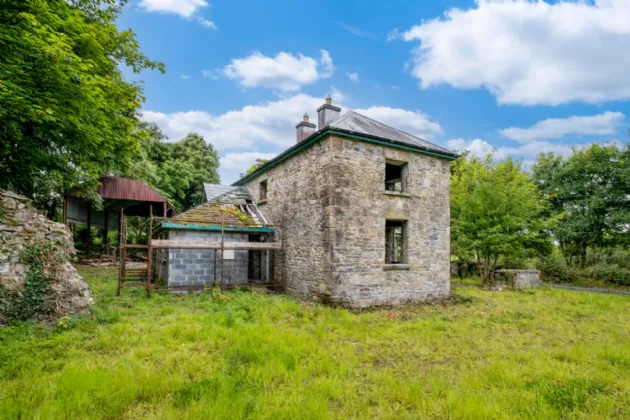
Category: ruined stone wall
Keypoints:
(22, 226)
(361, 207)
(298, 192)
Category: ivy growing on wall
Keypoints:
(37, 297)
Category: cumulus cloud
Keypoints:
(285, 71)
(242, 161)
(528, 52)
(412, 122)
(554, 128)
(482, 148)
(354, 77)
(207, 23)
(271, 123)
(183, 8)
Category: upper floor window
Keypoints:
(395, 242)
(262, 191)
(395, 176)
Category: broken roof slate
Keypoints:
(213, 190)
(360, 124)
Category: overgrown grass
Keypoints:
(539, 354)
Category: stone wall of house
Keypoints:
(195, 267)
(22, 225)
(361, 207)
(331, 202)
(297, 202)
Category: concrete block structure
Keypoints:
(362, 211)
(229, 216)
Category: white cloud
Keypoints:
(211, 74)
(183, 8)
(482, 148)
(355, 30)
(271, 123)
(354, 77)
(284, 71)
(242, 161)
(184, 76)
(412, 122)
(528, 52)
(207, 23)
(554, 128)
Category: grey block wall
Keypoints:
(195, 267)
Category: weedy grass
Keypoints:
(240, 354)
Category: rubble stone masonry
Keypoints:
(331, 202)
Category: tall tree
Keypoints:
(590, 192)
(259, 162)
(67, 116)
(177, 169)
(494, 213)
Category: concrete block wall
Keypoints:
(195, 267)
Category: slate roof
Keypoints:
(360, 124)
(213, 190)
(357, 126)
(234, 208)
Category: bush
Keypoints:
(554, 269)
(609, 273)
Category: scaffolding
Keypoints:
(143, 277)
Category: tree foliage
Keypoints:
(495, 211)
(589, 191)
(67, 116)
(179, 169)
(259, 162)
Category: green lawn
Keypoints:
(543, 354)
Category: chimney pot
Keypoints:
(304, 128)
(327, 113)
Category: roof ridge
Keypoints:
(395, 129)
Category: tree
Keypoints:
(178, 170)
(494, 213)
(67, 116)
(589, 192)
(259, 162)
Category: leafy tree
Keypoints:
(259, 162)
(590, 192)
(494, 213)
(67, 116)
(178, 170)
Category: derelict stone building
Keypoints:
(361, 209)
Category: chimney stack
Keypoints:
(304, 128)
(327, 113)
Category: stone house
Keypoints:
(362, 211)
(228, 212)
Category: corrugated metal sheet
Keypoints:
(118, 188)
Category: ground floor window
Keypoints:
(395, 242)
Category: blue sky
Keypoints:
(510, 77)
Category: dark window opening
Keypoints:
(395, 176)
(395, 242)
(262, 195)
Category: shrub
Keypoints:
(609, 273)
(554, 268)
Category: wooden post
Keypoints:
(120, 250)
(214, 283)
(105, 231)
(149, 251)
(165, 208)
(222, 246)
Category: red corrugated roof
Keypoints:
(117, 188)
